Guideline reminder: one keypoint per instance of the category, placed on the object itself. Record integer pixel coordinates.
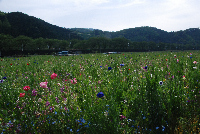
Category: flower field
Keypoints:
(150, 92)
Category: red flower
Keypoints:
(27, 64)
(22, 95)
(166, 59)
(11, 64)
(26, 88)
(53, 76)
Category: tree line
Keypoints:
(8, 42)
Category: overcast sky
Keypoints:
(111, 15)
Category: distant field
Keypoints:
(149, 92)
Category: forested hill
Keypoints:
(17, 23)
(148, 34)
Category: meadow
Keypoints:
(146, 92)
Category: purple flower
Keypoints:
(47, 103)
(122, 117)
(1, 81)
(51, 108)
(57, 99)
(34, 93)
(4, 77)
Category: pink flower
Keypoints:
(195, 62)
(177, 60)
(26, 88)
(74, 81)
(43, 84)
(53, 76)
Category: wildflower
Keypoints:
(4, 77)
(43, 84)
(122, 117)
(121, 64)
(53, 76)
(195, 62)
(184, 77)
(34, 93)
(59, 84)
(177, 60)
(26, 88)
(51, 108)
(109, 68)
(166, 59)
(160, 82)
(100, 94)
(74, 81)
(39, 100)
(27, 64)
(145, 67)
(47, 103)
(21, 94)
(1, 81)
(194, 67)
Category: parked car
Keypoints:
(63, 53)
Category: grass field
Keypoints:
(150, 92)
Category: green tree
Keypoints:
(6, 42)
(22, 43)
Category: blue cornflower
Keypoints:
(83, 121)
(86, 125)
(157, 127)
(100, 94)
(163, 128)
(4, 77)
(121, 64)
(109, 68)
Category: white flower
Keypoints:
(195, 67)
(39, 100)
(160, 82)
